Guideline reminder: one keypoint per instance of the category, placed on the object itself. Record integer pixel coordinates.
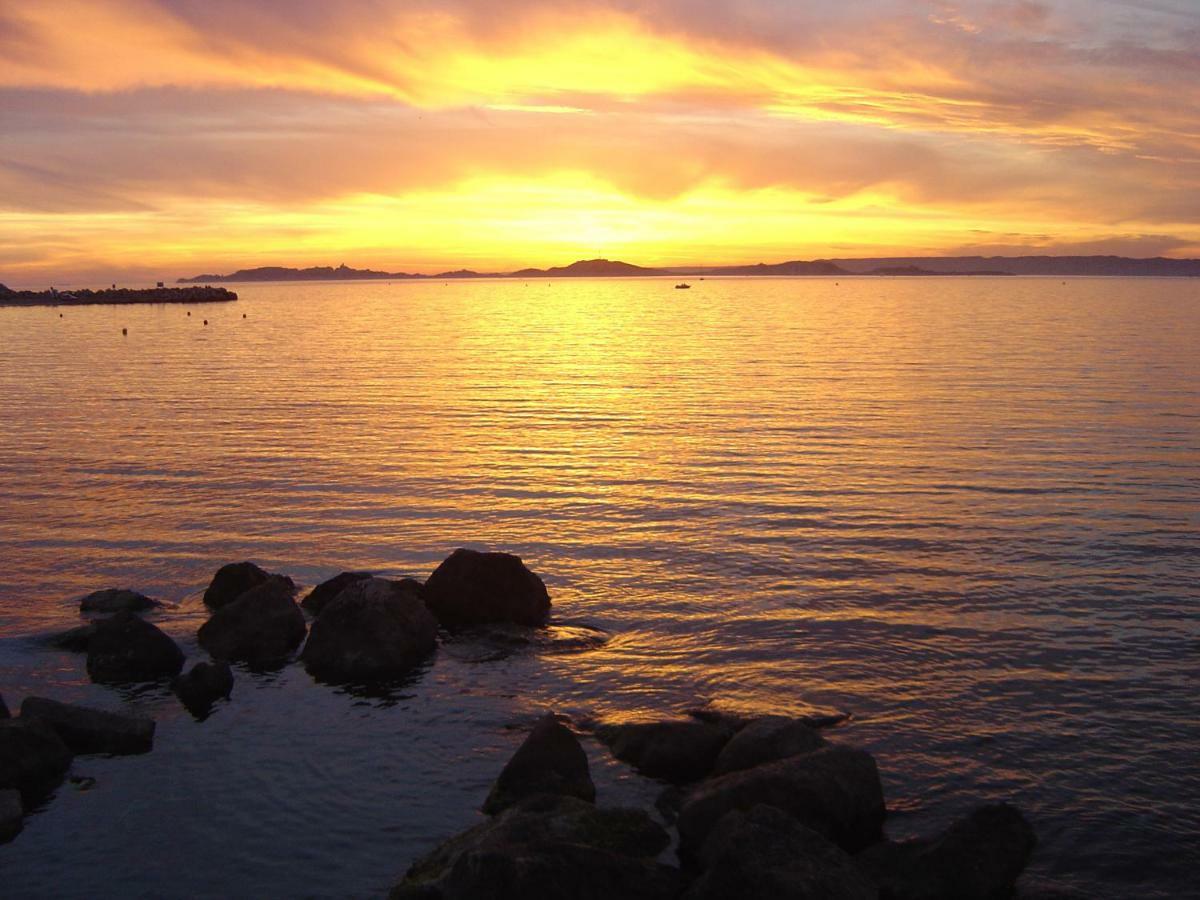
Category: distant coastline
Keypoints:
(115, 296)
(890, 267)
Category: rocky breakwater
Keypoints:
(115, 296)
(764, 807)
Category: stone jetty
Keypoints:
(115, 296)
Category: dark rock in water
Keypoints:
(74, 639)
(318, 598)
(113, 600)
(548, 848)
(263, 626)
(737, 721)
(33, 758)
(12, 814)
(678, 752)
(834, 790)
(86, 730)
(766, 740)
(978, 858)
(4, 713)
(474, 588)
(233, 580)
(204, 685)
(373, 629)
(127, 648)
(550, 761)
(764, 854)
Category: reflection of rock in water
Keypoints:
(487, 643)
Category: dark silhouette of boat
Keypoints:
(682, 287)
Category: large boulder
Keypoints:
(320, 596)
(373, 629)
(127, 648)
(548, 848)
(12, 814)
(764, 854)
(33, 758)
(111, 600)
(203, 685)
(86, 730)
(474, 588)
(978, 858)
(678, 752)
(766, 740)
(263, 626)
(834, 790)
(233, 580)
(550, 761)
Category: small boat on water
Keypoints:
(682, 286)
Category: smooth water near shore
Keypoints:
(965, 509)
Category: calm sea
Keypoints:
(966, 510)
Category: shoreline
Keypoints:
(116, 296)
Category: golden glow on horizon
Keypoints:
(651, 142)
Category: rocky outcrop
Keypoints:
(550, 761)
(203, 685)
(86, 730)
(765, 854)
(978, 858)
(373, 629)
(233, 580)
(766, 740)
(320, 596)
(33, 758)
(678, 752)
(263, 626)
(126, 648)
(113, 600)
(474, 588)
(834, 790)
(74, 639)
(548, 848)
(12, 815)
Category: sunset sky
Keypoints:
(159, 138)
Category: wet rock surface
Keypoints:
(262, 627)
(12, 815)
(125, 648)
(373, 629)
(233, 580)
(203, 685)
(113, 600)
(74, 639)
(33, 758)
(679, 752)
(978, 858)
(766, 740)
(86, 730)
(474, 588)
(550, 761)
(320, 596)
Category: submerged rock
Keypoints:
(765, 854)
(33, 758)
(550, 761)
(86, 730)
(678, 752)
(233, 580)
(373, 629)
(474, 588)
(320, 596)
(548, 848)
(834, 790)
(263, 626)
(766, 740)
(12, 815)
(113, 600)
(75, 639)
(978, 858)
(127, 648)
(203, 685)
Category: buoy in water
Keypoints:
(243, 315)
(124, 331)
(206, 321)
(189, 313)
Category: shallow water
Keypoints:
(964, 509)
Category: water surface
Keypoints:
(964, 509)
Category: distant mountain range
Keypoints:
(898, 266)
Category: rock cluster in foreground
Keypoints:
(785, 814)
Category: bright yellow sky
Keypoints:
(158, 139)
